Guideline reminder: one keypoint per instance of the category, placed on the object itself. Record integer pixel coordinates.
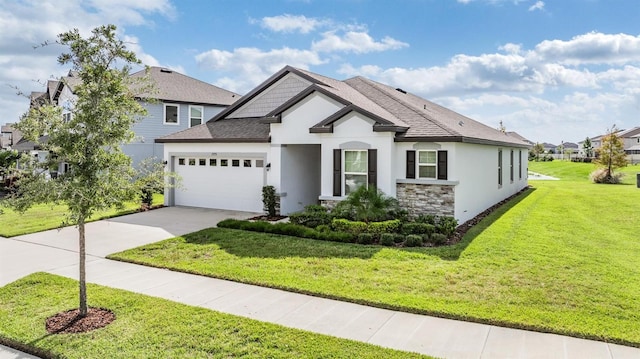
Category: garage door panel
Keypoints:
(234, 188)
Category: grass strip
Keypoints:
(46, 216)
(148, 327)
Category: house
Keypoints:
(316, 139)
(177, 102)
(630, 139)
(9, 136)
(549, 147)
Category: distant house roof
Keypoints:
(569, 145)
(412, 118)
(25, 145)
(174, 86)
(520, 137)
(548, 145)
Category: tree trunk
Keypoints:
(82, 280)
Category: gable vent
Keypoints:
(166, 71)
(401, 90)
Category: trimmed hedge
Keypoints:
(288, 229)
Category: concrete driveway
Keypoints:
(49, 250)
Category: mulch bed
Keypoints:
(267, 218)
(69, 321)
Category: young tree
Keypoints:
(587, 147)
(612, 155)
(538, 149)
(100, 175)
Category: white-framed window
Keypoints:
(259, 163)
(171, 114)
(355, 170)
(196, 114)
(246, 163)
(202, 161)
(192, 161)
(181, 162)
(213, 162)
(511, 167)
(427, 164)
(66, 117)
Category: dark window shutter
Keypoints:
(411, 164)
(372, 168)
(337, 172)
(442, 165)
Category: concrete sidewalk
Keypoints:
(54, 252)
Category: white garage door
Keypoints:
(233, 183)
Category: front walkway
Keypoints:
(53, 251)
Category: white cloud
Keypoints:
(539, 5)
(591, 48)
(291, 23)
(250, 66)
(27, 24)
(575, 87)
(356, 42)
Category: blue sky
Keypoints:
(551, 70)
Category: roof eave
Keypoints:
(462, 139)
(212, 140)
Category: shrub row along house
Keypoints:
(177, 102)
(316, 139)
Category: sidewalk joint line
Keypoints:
(486, 339)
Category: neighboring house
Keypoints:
(177, 103)
(9, 136)
(630, 139)
(521, 138)
(549, 147)
(316, 139)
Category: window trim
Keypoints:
(201, 115)
(164, 114)
(344, 169)
(511, 167)
(434, 165)
(499, 167)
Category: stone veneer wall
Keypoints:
(419, 198)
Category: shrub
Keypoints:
(418, 228)
(602, 175)
(313, 215)
(438, 239)
(446, 225)
(269, 200)
(398, 238)
(365, 238)
(336, 237)
(367, 204)
(230, 223)
(427, 218)
(390, 226)
(387, 239)
(323, 228)
(413, 240)
(345, 225)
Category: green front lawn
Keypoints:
(147, 327)
(562, 257)
(44, 216)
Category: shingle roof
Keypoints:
(226, 130)
(174, 86)
(415, 118)
(428, 120)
